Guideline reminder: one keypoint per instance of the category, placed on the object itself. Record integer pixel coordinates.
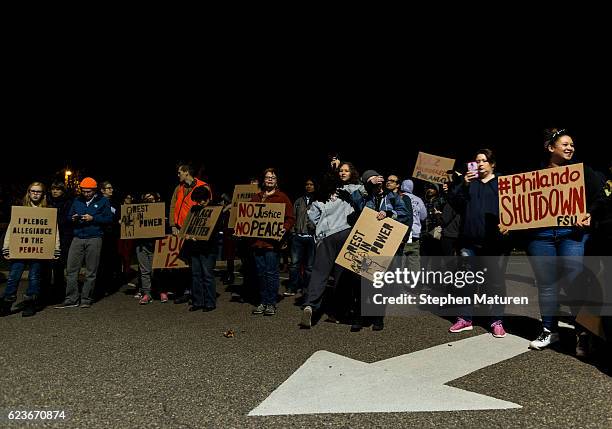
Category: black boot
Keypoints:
(5, 307)
(378, 323)
(29, 307)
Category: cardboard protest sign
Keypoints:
(432, 168)
(166, 252)
(200, 222)
(145, 220)
(371, 245)
(242, 193)
(542, 198)
(32, 232)
(260, 220)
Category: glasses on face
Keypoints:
(392, 180)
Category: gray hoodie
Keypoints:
(418, 207)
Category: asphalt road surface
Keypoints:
(122, 365)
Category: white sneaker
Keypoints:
(306, 321)
(545, 339)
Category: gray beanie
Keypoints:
(367, 174)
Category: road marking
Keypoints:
(331, 383)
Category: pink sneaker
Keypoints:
(497, 329)
(163, 297)
(145, 299)
(461, 325)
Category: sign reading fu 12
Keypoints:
(371, 245)
(143, 220)
(542, 198)
(432, 168)
(32, 233)
(260, 220)
(167, 251)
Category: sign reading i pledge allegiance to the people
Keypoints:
(166, 252)
(372, 244)
(432, 168)
(542, 198)
(242, 193)
(260, 220)
(33, 232)
(145, 220)
(200, 222)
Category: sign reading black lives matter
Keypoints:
(200, 222)
(371, 245)
(33, 232)
(143, 220)
(260, 220)
(242, 193)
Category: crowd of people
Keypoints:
(457, 219)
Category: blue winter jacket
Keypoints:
(99, 208)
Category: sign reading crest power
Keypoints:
(145, 220)
(167, 251)
(32, 232)
(542, 198)
(242, 193)
(201, 222)
(260, 220)
(371, 245)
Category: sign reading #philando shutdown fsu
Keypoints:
(542, 198)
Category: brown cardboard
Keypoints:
(201, 223)
(146, 220)
(33, 232)
(260, 220)
(542, 198)
(242, 193)
(432, 168)
(372, 244)
(166, 252)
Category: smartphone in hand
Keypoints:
(472, 167)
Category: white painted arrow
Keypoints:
(331, 383)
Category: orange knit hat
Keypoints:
(88, 183)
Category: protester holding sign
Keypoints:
(90, 214)
(480, 236)
(180, 205)
(35, 197)
(203, 256)
(145, 248)
(388, 205)
(267, 251)
(560, 241)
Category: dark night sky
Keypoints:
(133, 125)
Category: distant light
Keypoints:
(68, 173)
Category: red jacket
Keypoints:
(276, 197)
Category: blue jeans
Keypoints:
(203, 290)
(17, 268)
(266, 263)
(477, 259)
(568, 243)
(302, 252)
